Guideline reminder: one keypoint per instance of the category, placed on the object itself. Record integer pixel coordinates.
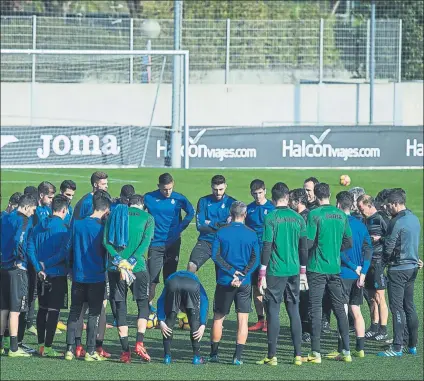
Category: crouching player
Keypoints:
(45, 250)
(183, 291)
(128, 269)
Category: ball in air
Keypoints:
(345, 180)
(150, 28)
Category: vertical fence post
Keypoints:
(131, 48)
(400, 53)
(367, 58)
(227, 53)
(32, 90)
(186, 126)
(372, 62)
(321, 50)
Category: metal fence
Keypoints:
(221, 51)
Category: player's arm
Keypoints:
(201, 225)
(142, 248)
(347, 237)
(218, 259)
(161, 306)
(32, 253)
(311, 230)
(367, 253)
(204, 306)
(393, 234)
(384, 227)
(267, 238)
(189, 210)
(254, 260)
(303, 245)
(109, 247)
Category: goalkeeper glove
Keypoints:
(127, 263)
(303, 283)
(127, 276)
(262, 280)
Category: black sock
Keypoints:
(6, 332)
(77, 341)
(214, 348)
(140, 337)
(1, 341)
(383, 329)
(239, 351)
(339, 345)
(124, 343)
(195, 344)
(374, 327)
(99, 343)
(13, 343)
(51, 325)
(167, 346)
(397, 347)
(41, 325)
(360, 343)
(261, 317)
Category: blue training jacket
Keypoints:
(359, 254)
(235, 248)
(215, 211)
(204, 303)
(68, 216)
(83, 207)
(169, 223)
(41, 212)
(256, 215)
(15, 229)
(46, 245)
(87, 255)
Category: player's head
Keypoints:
(322, 191)
(32, 191)
(136, 201)
(356, 192)
(219, 186)
(258, 191)
(381, 199)
(366, 205)
(166, 184)
(126, 192)
(99, 181)
(68, 188)
(344, 201)
(298, 198)
(309, 186)
(396, 201)
(238, 211)
(46, 191)
(280, 194)
(101, 201)
(27, 205)
(60, 205)
(14, 201)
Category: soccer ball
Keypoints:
(345, 180)
(183, 324)
(150, 28)
(152, 321)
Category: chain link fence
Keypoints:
(221, 51)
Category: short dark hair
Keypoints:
(397, 196)
(14, 198)
(68, 184)
(312, 179)
(299, 195)
(31, 190)
(279, 192)
(165, 179)
(322, 191)
(46, 187)
(59, 202)
(280, 186)
(27, 200)
(97, 176)
(127, 191)
(101, 200)
(257, 184)
(345, 200)
(381, 197)
(218, 180)
(136, 199)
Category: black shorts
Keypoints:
(226, 295)
(375, 278)
(91, 293)
(14, 290)
(353, 294)
(182, 293)
(165, 257)
(119, 288)
(201, 252)
(282, 288)
(53, 292)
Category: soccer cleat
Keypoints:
(265, 328)
(266, 361)
(360, 354)
(79, 351)
(297, 360)
(325, 327)
(236, 361)
(125, 357)
(141, 351)
(62, 326)
(314, 358)
(6, 343)
(213, 358)
(381, 337)
(181, 315)
(370, 334)
(332, 355)
(410, 351)
(58, 331)
(26, 348)
(50, 352)
(40, 349)
(69, 356)
(343, 357)
(32, 330)
(2, 351)
(197, 360)
(94, 357)
(103, 353)
(167, 359)
(306, 337)
(389, 353)
(259, 326)
(19, 353)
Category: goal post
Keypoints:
(69, 101)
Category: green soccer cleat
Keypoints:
(297, 360)
(32, 330)
(50, 352)
(19, 353)
(213, 358)
(359, 354)
(94, 357)
(2, 351)
(314, 358)
(266, 361)
(6, 343)
(343, 357)
(69, 356)
(332, 355)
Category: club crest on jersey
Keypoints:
(265, 211)
(222, 206)
(172, 201)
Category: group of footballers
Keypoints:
(295, 248)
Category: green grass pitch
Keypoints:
(194, 184)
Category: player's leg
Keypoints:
(291, 297)
(326, 312)
(155, 259)
(42, 314)
(80, 326)
(304, 316)
(32, 296)
(243, 306)
(259, 306)
(4, 307)
(359, 330)
(201, 252)
(374, 311)
(410, 311)
(171, 258)
(102, 323)
(383, 311)
(24, 316)
(78, 298)
(167, 341)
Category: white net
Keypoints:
(88, 108)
